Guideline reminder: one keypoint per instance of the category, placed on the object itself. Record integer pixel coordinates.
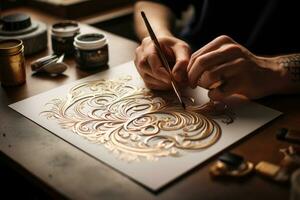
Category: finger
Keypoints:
(225, 53)
(169, 53)
(219, 73)
(141, 63)
(138, 52)
(210, 80)
(182, 56)
(157, 68)
(210, 60)
(225, 90)
(153, 83)
(211, 46)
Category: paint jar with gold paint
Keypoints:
(12, 62)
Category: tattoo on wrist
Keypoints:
(292, 64)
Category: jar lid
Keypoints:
(15, 22)
(65, 28)
(10, 46)
(90, 41)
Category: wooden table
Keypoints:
(66, 171)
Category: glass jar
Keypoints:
(62, 37)
(91, 50)
(12, 62)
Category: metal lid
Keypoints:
(15, 22)
(65, 28)
(90, 41)
(10, 47)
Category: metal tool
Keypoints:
(162, 58)
(35, 65)
(49, 64)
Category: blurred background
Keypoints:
(111, 15)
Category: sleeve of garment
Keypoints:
(177, 6)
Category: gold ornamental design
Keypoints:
(133, 122)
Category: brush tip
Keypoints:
(183, 105)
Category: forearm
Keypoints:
(160, 17)
(292, 64)
(288, 69)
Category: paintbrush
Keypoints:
(162, 58)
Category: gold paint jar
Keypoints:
(12, 62)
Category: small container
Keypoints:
(62, 37)
(91, 50)
(12, 62)
(33, 33)
(232, 165)
(289, 135)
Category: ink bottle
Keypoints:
(62, 37)
(91, 50)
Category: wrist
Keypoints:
(164, 33)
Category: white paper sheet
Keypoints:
(152, 174)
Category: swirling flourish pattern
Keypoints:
(132, 122)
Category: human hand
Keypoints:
(240, 72)
(149, 66)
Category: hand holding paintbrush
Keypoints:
(163, 58)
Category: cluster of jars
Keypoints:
(90, 49)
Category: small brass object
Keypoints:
(230, 164)
(267, 169)
(272, 171)
(12, 62)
